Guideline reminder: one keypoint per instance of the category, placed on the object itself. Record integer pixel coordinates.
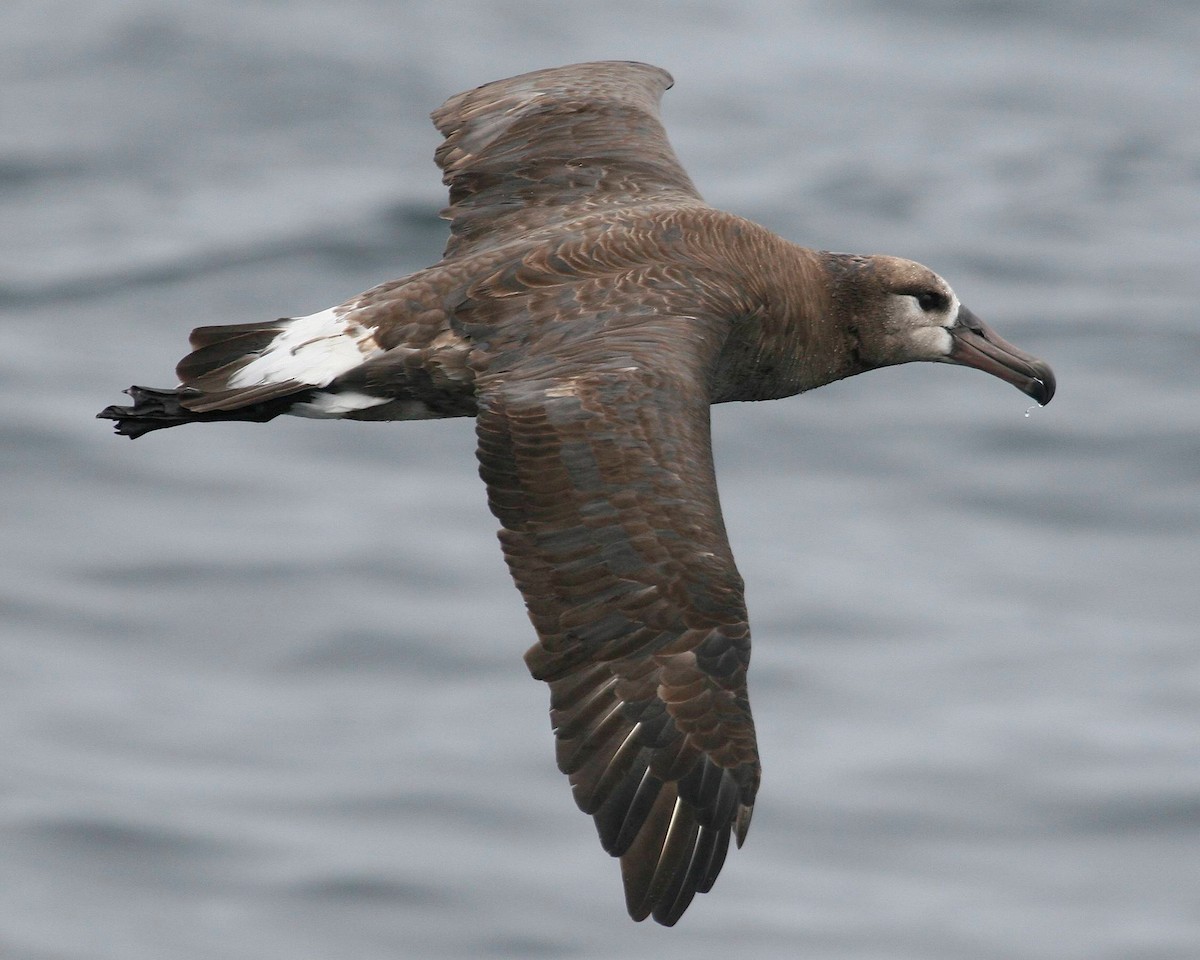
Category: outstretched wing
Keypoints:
(544, 146)
(595, 448)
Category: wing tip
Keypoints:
(675, 856)
(742, 824)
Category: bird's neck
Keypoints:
(794, 337)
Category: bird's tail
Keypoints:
(206, 392)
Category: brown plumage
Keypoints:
(588, 310)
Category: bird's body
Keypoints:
(589, 309)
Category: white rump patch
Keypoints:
(314, 349)
(332, 405)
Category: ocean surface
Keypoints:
(261, 688)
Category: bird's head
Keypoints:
(902, 312)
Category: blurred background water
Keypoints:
(262, 692)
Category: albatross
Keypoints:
(588, 309)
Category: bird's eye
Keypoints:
(930, 300)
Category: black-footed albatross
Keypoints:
(588, 309)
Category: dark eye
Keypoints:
(930, 300)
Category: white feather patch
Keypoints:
(931, 343)
(333, 405)
(314, 349)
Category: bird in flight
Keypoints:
(587, 311)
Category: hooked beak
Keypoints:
(975, 344)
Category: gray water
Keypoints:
(261, 689)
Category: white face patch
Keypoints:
(952, 313)
(924, 334)
(313, 349)
(931, 343)
(919, 318)
(945, 342)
